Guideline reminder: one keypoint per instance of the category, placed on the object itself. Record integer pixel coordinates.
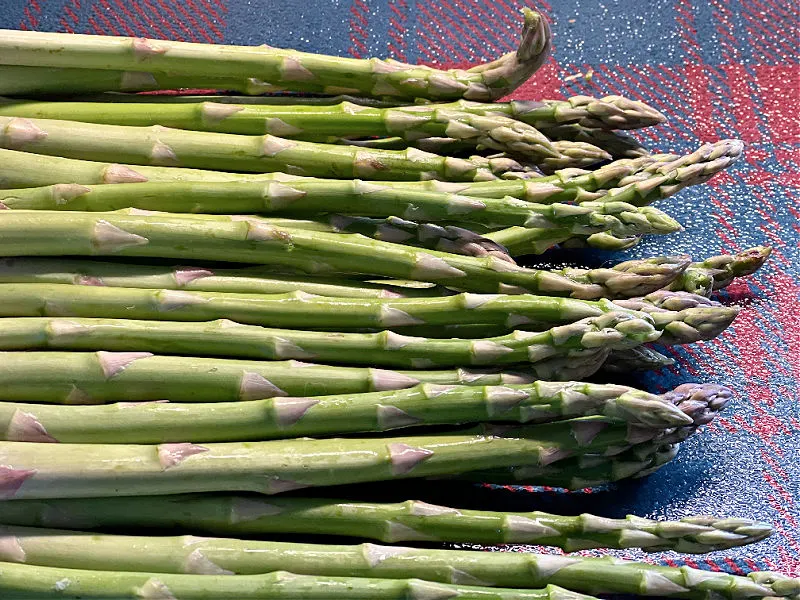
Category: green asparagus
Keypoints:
(719, 272)
(45, 470)
(363, 118)
(65, 549)
(247, 280)
(325, 416)
(101, 377)
(284, 69)
(684, 318)
(48, 582)
(166, 147)
(33, 81)
(223, 514)
(358, 198)
(224, 338)
(23, 169)
(309, 123)
(103, 234)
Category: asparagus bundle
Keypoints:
(282, 418)
(243, 514)
(282, 69)
(95, 234)
(65, 549)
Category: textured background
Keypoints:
(718, 68)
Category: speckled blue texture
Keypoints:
(718, 68)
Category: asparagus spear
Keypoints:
(162, 146)
(285, 69)
(100, 377)
(49, 582)
(310, 198)
(718, 272)
(23, 169)
(324, 416)
(95, 234)
(328, 115)
(228, 339)
(252, 279)
(65, 549)
(665, 179)
(304, 122)
(241, 514)
(616, 144)
(609, 112)
(46, 82)
(682, 317)
(44, 470)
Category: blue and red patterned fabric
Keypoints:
(718, 69)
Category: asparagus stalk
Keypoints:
(324, 416)
(616, 144)
(304, 311)
(284, 69)
(247, 280)
(228, 339)
(45, 470)
(65, 549)
(718, 272)
(161, 146)
(95, 234)
(232, 514)
(310, 198)
(46, 82)
(304, 122)
(665, 179)
(328, 116)
(101, 377)
(684, 318)
(45, 582)
(609, 112)
(23, 169)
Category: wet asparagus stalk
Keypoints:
(718, 272)
(44, 582)
(325, 416)
(161, 146)
(223, 338)
(280, 69)
(246, 280)
(242, 514)
(65, 549)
